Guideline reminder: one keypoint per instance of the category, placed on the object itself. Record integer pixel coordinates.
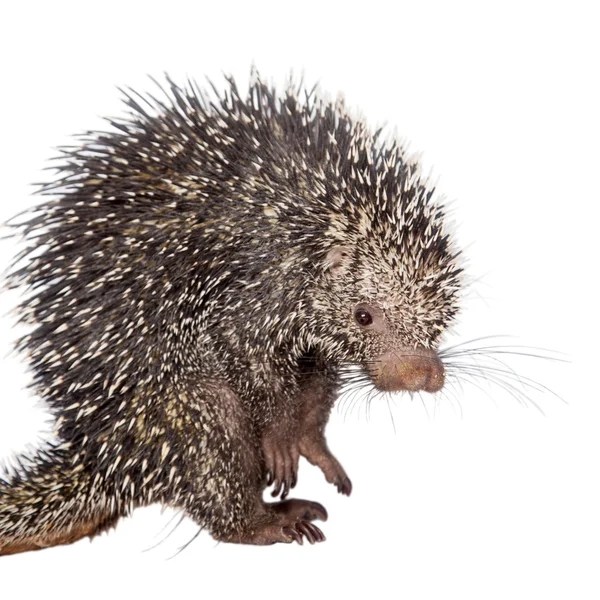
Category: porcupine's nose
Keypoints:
(408, 370)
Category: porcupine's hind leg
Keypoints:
(216, 472)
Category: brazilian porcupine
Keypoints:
(196, 288)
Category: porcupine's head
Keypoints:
(389, 277)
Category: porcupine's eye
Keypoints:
(363, 317)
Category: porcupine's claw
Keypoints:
(295, 535)
(304, 528)
(281, 464)
(312, 533)
(273, 533)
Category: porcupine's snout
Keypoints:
(408, 370)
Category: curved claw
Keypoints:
(294, 534)
(294, 477)
(283, 474)
(312, 533)
(319, 512)
(344, 486)
(277, 488)
(303, 528)
(286, 489)
(320, 535)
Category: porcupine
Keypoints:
(201, 278)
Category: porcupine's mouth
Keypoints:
(408, 370)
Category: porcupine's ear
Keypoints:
(337, 258)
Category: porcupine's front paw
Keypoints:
(281, 455)
(315, 450)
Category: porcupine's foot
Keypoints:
(273, 533)
(284, 522)
(315, 450)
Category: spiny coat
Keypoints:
(190, 290)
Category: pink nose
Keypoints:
(408, 369)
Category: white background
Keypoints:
(496, 501)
